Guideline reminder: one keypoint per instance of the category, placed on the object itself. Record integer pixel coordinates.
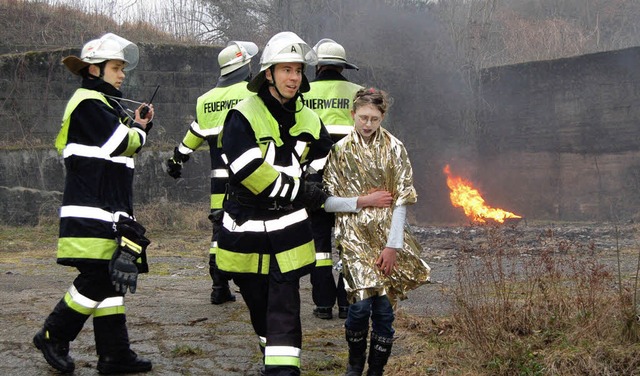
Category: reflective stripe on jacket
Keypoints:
(211, 110)
(247, 244)
(332, 101)
(98, 158)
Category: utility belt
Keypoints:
(249, 200)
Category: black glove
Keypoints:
(216, 219)
(174, 169)
(313, 196)
(131, 244)
(123, 270)
(174, 164)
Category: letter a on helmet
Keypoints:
(284, 47)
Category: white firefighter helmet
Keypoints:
(237, 54)
(284, 47)
(332, 53)
(107, 47)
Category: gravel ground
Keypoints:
(172, 323)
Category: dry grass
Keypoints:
(554, 312)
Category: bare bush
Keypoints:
(518, 312)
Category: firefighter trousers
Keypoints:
(324, 290)
(274, 308)
(92, 294)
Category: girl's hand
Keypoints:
(387, 261)
(377, 198)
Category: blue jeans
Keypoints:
(379, 309)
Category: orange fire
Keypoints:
(464, 196)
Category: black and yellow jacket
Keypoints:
(98, 142)
(267, 147)
(211, 110)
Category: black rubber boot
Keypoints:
(343, 312)
(325, 313)
(127, 362)
(220, 293)
(55, 352)
(379, 354)
(357, 342)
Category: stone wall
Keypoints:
(559, 139)
(35, 88)
(555, 140)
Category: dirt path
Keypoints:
(172, 323)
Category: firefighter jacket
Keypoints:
(211, 110)
(98, 142)
(331, 97)
(267, 145)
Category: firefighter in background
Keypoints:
(211, 110)
(98, 233)
(265, 241)
(330, 97)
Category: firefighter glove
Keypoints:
(174, 164)
(313, 196)
(131, 244)
(123, 270)
(216, 219)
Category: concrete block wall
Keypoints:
(560, 139)
(556, 140)
(35, 88)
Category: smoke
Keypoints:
(407, 52)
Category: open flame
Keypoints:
(464, 196)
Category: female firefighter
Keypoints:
(98, 233)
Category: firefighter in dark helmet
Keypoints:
(98, 232)
(211, 110)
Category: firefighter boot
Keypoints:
(379, 354)
(325, 313)
(220, 293)
(125, 362)
(55, 352)
(357, 342)
(343, 312)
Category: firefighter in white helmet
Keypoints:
(265, 241)
(98, 232)
(211, 110)
(330, 97)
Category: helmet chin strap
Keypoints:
(272, 83)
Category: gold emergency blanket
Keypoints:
(355, 168)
